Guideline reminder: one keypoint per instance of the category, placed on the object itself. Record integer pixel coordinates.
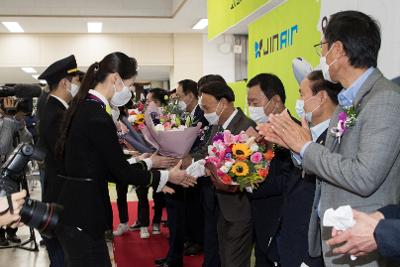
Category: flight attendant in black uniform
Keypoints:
(92, 155)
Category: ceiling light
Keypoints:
(28, 70)
(13, 26)
(201, 24)
(36, 76)
(94, 26)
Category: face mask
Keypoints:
(325, 67)
(257, 114)
(213, 117)
(73, 90)
(182, 105)
(300, 109)
(122, 97)
(115, 114)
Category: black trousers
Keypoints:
(176, 224)
(144, 209)
(211, 254)
(55, 251)
(122, 203)
(81, 249)
(194, 215)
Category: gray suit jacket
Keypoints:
(363, 169)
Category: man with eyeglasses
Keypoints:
(360, 163)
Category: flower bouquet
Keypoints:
(237, 161)
(170, 130)
(136, 115)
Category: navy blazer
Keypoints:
(387, 233)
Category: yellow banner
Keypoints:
(240, 90)
(285, 33)
(223, 14)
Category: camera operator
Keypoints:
(12, 131)
(63, 81)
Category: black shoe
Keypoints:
(187, 244)
(4, 242)
(42, 243)
(13, 238)
(135, 227)
(193, 250)
(160, 261)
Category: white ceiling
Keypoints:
(118, 16)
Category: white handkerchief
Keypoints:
(197, 169)
(341, 219)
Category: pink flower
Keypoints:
(167, 125)
(256, 158)
(242, 137)
(214, 160)
(229, 138)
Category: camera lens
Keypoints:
(42, 216)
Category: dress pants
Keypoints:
(81, 249)
(143, 206)
(122, 191)
(235, 241)
(194, 215)
(55, 251)
(176, 225)
(211, 254)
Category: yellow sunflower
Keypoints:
(139, 119)
(240, 168)
(241, 151)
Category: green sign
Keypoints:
(287, 32)
(224, 14)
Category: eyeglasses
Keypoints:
(318, 48)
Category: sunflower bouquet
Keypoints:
(237, 160)
(136, 115)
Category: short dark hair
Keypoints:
(219, 90)
(189, 86)
(270, 84)
(210, 78)
(318, 83)
(160, 95)
(54, 85)
(360, 35)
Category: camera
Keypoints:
(39, 215)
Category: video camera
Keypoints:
(42, 216)
(20, 90)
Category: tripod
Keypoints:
(32, 236)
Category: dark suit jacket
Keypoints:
(267, 201)
(387, 233)
(51, 119)
(92, 151)
(236, 206)
(296, 212)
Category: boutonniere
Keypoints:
(204, 133)
(346, 119)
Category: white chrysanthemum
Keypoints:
(254, 148)
(225, 169)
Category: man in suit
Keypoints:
(235, 234)
(184, 209)
(318, 99)
(63, 81)
(266, 95)
(375, 231)
(358, 166)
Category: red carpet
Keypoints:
(130, 250)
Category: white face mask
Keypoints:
(213, 117)
(73, 89)
(325, 67)
(257, 114)
(182, 105)
(115, 114)
(300, 109)
(122, 97)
